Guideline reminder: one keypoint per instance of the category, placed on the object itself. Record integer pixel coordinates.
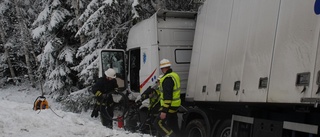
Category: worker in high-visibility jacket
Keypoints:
(167, 121)
(153, 93)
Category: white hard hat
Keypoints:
(165, 63)
(110, 73)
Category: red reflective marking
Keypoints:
(145, 82)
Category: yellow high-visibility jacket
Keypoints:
(173, 104)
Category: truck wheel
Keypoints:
(196, 128)
(224, 129)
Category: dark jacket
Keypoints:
(105, 86)
(167, 86)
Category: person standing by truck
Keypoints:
(103, 86)
(167, 121)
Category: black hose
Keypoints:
(123, 104)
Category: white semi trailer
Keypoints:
(253, 70)
(255, 65)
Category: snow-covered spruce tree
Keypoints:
(106, 24)
(23, 23)
(15, 35)
(5, 61)
(54, 31)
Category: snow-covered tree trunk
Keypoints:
(6, 50)
(77, 11)
(26, 38)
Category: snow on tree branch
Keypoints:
(92, 6)
(57, 17)
(49, 47)
(83, 50)
(66, 54)
(4, 6)
(87, 61)
(55, 3)
(43, 16)
(134, 10)
(38, 31)
(90, 22)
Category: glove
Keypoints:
(138, 99)
(95, 113)
(154, 86)
(98, 93)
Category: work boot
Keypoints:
(108, 125)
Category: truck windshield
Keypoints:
(114, 59)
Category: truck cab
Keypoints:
(166, 34)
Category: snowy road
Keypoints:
(17, 119)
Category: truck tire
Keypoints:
(195, 128)
(224, 129)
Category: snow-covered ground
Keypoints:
(18, 119)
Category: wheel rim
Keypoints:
(195, 132)
(225, 132)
